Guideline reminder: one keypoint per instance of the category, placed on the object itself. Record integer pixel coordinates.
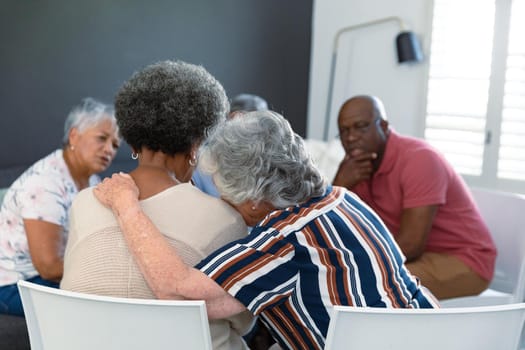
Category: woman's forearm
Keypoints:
(157, 260)
(165, 272)
(44, 240)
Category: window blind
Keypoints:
(459, 80)
(511, 157)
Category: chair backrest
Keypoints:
(504, 214)
(480, 328)
(58, 319)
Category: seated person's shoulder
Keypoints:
(191, 203)
(86, 197)
(214, 205)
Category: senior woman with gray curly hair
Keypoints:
(313, 245)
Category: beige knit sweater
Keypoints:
(97, 260)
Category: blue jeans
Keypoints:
(10, 302)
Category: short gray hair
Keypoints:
(88, 113)
(259, 157)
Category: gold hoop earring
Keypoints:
(134, 156)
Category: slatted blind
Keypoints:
(511, 158)
(459, 79)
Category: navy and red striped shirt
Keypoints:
(300, 261)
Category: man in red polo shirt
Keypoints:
(423, 201)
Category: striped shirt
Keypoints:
(300, 261)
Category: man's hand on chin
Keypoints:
(356, 166)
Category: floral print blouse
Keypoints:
(44, 192)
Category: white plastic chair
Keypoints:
(480, 328)
(504, 214)
(59, 319)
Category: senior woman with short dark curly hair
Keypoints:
(163, 112)
(313, 245)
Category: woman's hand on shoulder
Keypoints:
(117, 192)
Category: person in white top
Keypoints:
(34, 213)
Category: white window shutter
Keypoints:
(511, 158)
(459, 79)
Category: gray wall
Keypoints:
(53, 53)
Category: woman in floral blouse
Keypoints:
(34, 213)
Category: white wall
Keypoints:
(367, 61)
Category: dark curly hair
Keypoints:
(169, 106)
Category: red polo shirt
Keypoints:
(413, 174)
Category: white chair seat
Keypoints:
(60, 320)
(472, 328)
(504, 215)
(489, 297)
